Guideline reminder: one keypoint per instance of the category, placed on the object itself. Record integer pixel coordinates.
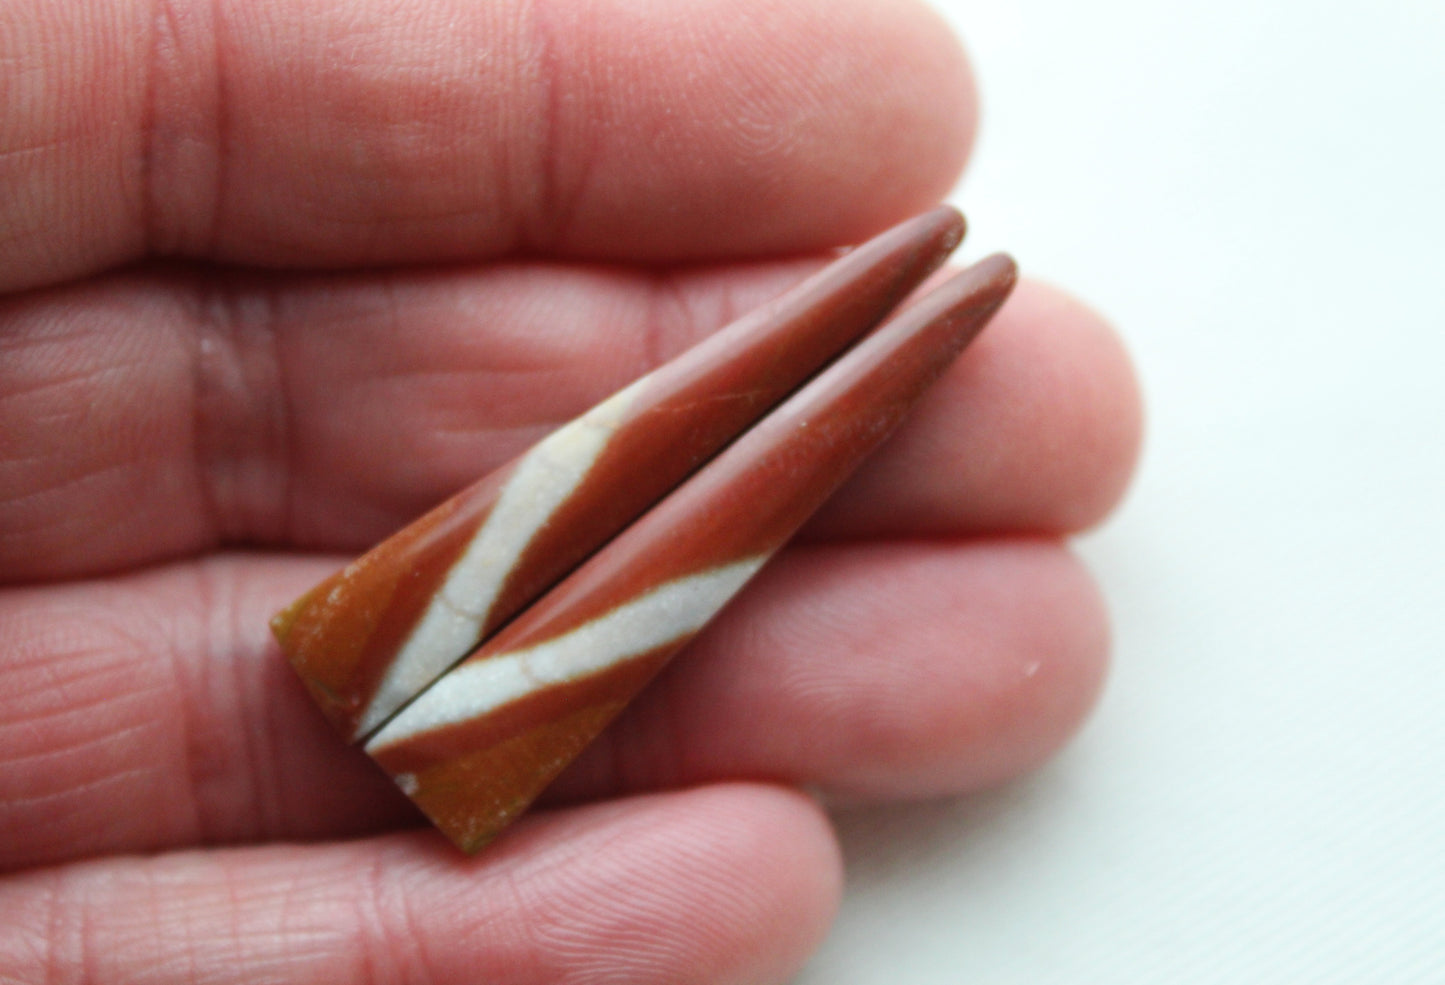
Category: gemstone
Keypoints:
(480, 649)
(371, 637)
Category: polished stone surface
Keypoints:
(380, 631)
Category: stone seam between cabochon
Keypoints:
(545, 478)
(665, 614)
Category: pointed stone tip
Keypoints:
(996, 273)
(969, 299)
(928, 238)
(943, 225)
(985, 287)
(282, 621)
(979, 288)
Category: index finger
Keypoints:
(284, 132)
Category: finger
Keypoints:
(347, 133)
(146, 417)
(724, 884)
(873, 670)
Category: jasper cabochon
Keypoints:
(478, 675)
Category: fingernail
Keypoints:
(482, 742)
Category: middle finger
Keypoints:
(157, 414)
(154, 711)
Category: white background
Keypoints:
(1255, 193)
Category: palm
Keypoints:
(183, 446)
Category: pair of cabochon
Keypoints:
(478, 650)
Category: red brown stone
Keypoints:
(344, 636)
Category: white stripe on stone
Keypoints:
(664, 615)
(545, 478)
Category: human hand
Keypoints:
(503, 195)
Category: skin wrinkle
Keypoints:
(222, 117)
(573, 179)
(474, 307)
(49, 949)
(111, 738)
(574, 926)
(80, 377)
(668, 317)
(525, 937)
(264, 736)
(693, 322)
(163, 24)
(191, 739)
(185, 85)
(375, 938)
(211, 596)
(211, 313)
(567, 925)
(554, 219)
(85, 933)
(240, 387)
(67, 709)
(759, 130)
(192, 950)
(30, 504)
(263, 731)
(282, 418)
(93, 786)
(21, 230)
(281, 897)
(411, 937)
(9, 154)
